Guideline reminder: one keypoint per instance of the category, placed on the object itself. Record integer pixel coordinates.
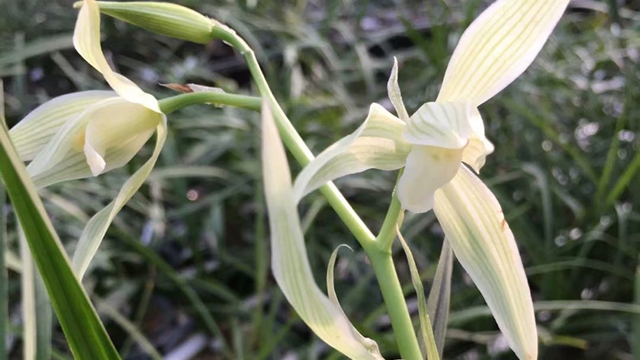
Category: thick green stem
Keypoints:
(391, 289)
(178, 102)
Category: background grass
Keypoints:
(185, 266)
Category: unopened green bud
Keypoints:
(163, 18)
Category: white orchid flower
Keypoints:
(434, 144)
(88, 133)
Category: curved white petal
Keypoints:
(376, 144)
(115, 130)
(444, 125)
(98, 225)
(479, 147)
(499, 46)
(289, 260)
(474, 224)
(428, 168)
(32, 133)
(86, 39)
(395, 95)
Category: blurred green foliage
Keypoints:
(186, 263)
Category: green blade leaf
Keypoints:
(440, 295)
(85, 333)
(290, 263)
(426, 329)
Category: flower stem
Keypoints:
(290, 136)
(178, 102)
(381, 260)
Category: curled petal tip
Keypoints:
(96, 161)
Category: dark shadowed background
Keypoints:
(185, 268)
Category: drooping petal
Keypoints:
(479, 147)
(376, 144)
(32, 133)
(428, 168)
(129, 125)
(97, 226)
(86, 39)
(499, 46)
(393, 89)
(444, 125)
(290, 263)
(65, 157)
(474, 224)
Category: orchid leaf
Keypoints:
(440, 296)
(498, 47)
(85, 333)
(483, 243)
(426, 329)
(376, 144)
(289, 260)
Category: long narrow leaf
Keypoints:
(4, 292)
(440, 295)
(431, 350)
(85, 333)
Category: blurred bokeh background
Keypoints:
(184, 271)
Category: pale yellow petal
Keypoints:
(376, 144)
(479, 147)
(395, 95)
(86, 39)
(499, 46)
(444, 125)
(474, 225)
(428, 168)
(289, 259)
(32, 133)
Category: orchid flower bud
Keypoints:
(163, 18)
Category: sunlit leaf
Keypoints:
(440, 295)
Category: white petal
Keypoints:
(376, 144)
(428, 168)
(98, 225)
(86, 39)
(474, 224)
(289, 260)
(393, 89)
(32, 133)
(499, 46)
(443, 125)
(115, 130)
(479, 147)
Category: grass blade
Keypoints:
(85, 333)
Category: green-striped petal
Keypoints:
(290, 263)
(376, 144)
(109, 126)
(474, 224)
(97, 226)
(86, 39)
(499, 46)
(32, 133)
